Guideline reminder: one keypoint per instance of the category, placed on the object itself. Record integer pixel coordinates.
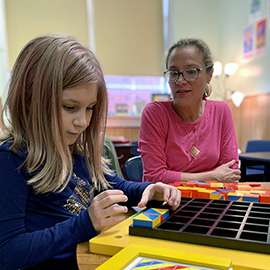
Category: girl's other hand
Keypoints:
(161, 192)
(104, 211)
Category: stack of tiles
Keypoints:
(150, 218)
(244, 191)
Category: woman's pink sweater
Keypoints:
(164, 143)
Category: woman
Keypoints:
(188, 137)
(56, 191)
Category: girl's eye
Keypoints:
(90, 108)
(75, 108)
(69, 108)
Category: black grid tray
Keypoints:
(226, 224)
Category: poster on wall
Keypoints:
(248, 43)
(261, 37)
(254, 10)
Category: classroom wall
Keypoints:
(195, 18)
(3, 51)
(129, 36)
(252, 78)
(221, 24)
(251, 119)
(30, 18)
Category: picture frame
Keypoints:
(130, 257)
(122, 109)
(261, 30)
(138, 108)
(248, 42)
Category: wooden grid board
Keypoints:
(227, 224)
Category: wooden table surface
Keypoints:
(254, 156)
(90, 261)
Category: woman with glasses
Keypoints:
(188, 137)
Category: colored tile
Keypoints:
(234, 197)
(216, 196)
(157, 211)
(146, 220)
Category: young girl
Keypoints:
(56, 190)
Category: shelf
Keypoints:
(123, 121)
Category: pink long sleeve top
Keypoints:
(165, 140)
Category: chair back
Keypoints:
(134, 169)
(134, 148)
(258, 146)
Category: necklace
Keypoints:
(194, 151)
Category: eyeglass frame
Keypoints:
(182, 73)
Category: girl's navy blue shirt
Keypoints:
(41, 231)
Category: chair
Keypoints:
(134, 147)
(109, 153)
(257, 146)
(134, 169)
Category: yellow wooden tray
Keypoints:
(116, 238)
(149, 257)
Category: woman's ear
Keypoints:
(210, 75)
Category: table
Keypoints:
(255, 158)
(89, 261)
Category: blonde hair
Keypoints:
(204, 50)
(47, 65)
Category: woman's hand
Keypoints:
(104, 211)
(224, 173)
(161, 192)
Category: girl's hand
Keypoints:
(161, 192)
(104, 211)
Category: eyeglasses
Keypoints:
(189, 75)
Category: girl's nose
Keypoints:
(80, 120)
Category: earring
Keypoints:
(207, 90)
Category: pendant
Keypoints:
(194, 151)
